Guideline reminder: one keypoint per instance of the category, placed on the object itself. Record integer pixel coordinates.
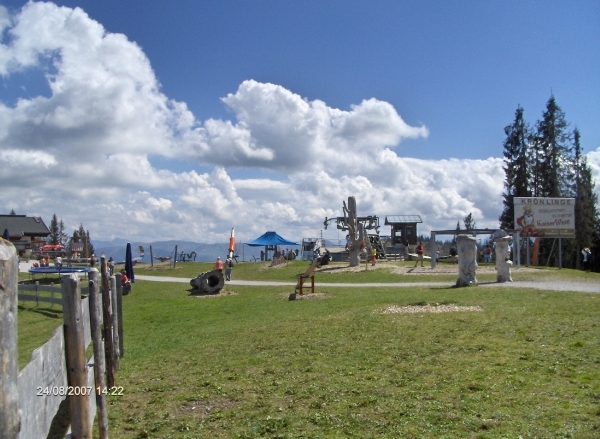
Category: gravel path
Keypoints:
(584, 287)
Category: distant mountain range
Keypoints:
(204, 252)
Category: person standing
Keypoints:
(219, 265)
(487, 254)
(125, 283)
(58, 262)
(228, 268)
(373, 255)
(420, 249)
(587, 259)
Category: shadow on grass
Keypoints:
(52, 313)
(200, 294)
(321, 270)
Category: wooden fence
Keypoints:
(36, 289)
(59, 386)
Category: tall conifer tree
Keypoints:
(515, 167)
(553, 146)
(469, 222)
(61, 232)
(586, 203)
(54, 236)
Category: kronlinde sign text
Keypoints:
(548, 217)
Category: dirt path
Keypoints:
(553, 285)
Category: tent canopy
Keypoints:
(270, 238)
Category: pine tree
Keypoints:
(586, 202)
(83, 236)
(552, 156)
(89, 243)
(57, 231)
(62, 235)
(516, 167)
(469, 222)
(456, 234)
(553, 153)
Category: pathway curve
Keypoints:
(554, 285)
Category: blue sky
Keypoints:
(455, 70)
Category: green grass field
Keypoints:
(252, 364)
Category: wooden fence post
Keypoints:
(109, 350)
(99, 363)
(79, 404)
(10, 419)
(175, 258)
(151, 258)
(120, 308)
(115, 321)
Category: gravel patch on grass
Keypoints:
(430, 308)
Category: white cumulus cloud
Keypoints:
(85, 151)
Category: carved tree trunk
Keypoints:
(467, 260)
(356, 233)
(502, 264)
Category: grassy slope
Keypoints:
(36, 325)
(255, 365)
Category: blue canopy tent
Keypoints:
(270, 240)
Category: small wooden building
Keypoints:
(25, 232)
(404, 228)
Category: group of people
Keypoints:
(228, 266)
(125, 281)
(277, 253)
(110, 263)
(420, 250)
(45, 261)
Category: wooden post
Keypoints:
(115, 320)
(175, 258)
(79, 405)
(151, 258)
(120, 308)
(109, 350)
(560, 253)
(10, 420)
(99, 363)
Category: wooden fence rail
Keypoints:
(58, 378)
(37, 289)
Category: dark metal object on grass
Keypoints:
(210, 282)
